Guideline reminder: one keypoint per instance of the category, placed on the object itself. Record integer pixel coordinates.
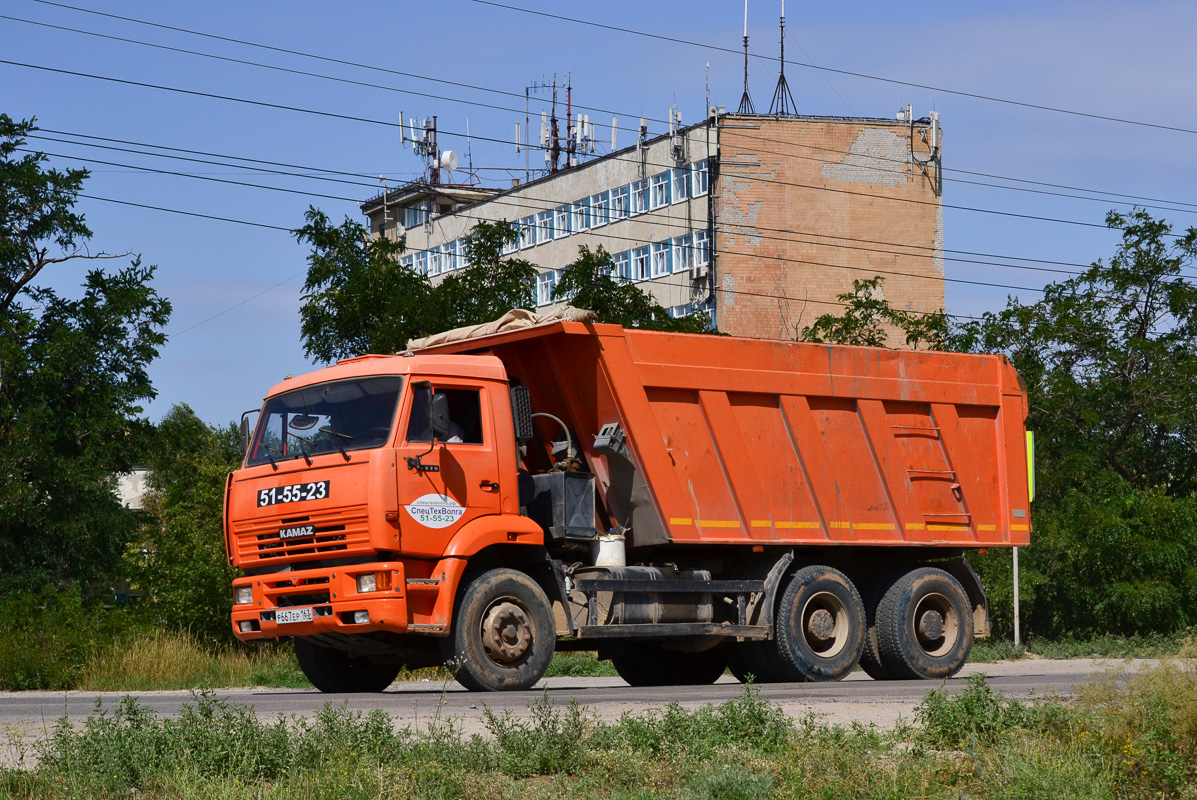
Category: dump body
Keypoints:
(739, 441)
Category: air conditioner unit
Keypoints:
(699, 272)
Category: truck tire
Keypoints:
(760, 661)
(649, 664)
(820, 624)
(870, 657)
(503, 635)
(924, 625)
(334, 671)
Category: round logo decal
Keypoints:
(435, 510)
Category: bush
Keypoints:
(47, 640)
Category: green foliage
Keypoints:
(1110, 361)
(178, 561)
(357, 299)
(866, 316)
(490, 285)
(590, 282)
(72, 380)
(47, 640)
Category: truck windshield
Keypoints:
(326, 418)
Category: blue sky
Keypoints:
(235, 288)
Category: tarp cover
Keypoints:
(514, 319)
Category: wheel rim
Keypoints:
(825, 624)
(936, 625)
(506, 631)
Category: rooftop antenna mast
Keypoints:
(746, 101)
(783, 102)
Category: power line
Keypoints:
(666, 223)
(906, 246)
(352, 118)
(895, 81)
(184, 213)
(499, 92)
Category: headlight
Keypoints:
(243, 595)
(367, 583)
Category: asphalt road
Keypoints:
(856, 699)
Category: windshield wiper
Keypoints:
(337, 437)
(271, 458)
(303, 447)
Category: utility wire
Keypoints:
(805, 65)
(352, 118)
(500, 92)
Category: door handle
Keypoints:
(489, 486)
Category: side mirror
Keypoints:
(246, 431)
(438, 416)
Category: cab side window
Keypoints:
(465, 417)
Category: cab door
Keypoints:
(443, 485)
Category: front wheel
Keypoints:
(503, 636)
(924, 625)
(335, 671)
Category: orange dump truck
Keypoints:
(678, 503)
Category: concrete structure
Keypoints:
(761, 220)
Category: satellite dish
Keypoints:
(449, 160)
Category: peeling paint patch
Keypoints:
(877, 156)
(729, 291)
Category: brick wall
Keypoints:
(803, 206)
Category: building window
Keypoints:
(581, 215)
(527, 232)
(698, 178)
(684, 310)
(683, 255)
(434, 262)
(459, 253)
(558, 274)
(639, 197)
(681, 183)
(561, 222)
(619, 203)
(545, 283)
(640, 258)
(600, 209)
(544, 225)
(407, 262)
(417, 214)
(420, 262)
(512, 245)
(702, 248)
(660, 264)
(659, 191)
(619, 265)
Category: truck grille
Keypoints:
(343, 531)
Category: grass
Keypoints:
(1120, 738)
(1106, 646)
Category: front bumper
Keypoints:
(332, 596)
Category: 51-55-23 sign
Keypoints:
(296, 492)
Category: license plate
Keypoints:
(284, 616)
(297, 532)
(295, 493)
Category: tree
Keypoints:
(72, 379)
(178, 561)
(490, 285)
(357, 298)
(866, 315)
(590, 283)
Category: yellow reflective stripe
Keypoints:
(718, 523)
(873, 526)
(760, 523)
(1020, 527)
(839, 524)
(956, 528)
(680, 521)
(797, 524)
(987, 527)
(915, 526)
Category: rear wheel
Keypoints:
(924, 625)
(820, 624)
(649, 664)
(870, 657)
(335, 671)
(759, 660)
(503, 635)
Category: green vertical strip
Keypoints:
(1031, 465)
